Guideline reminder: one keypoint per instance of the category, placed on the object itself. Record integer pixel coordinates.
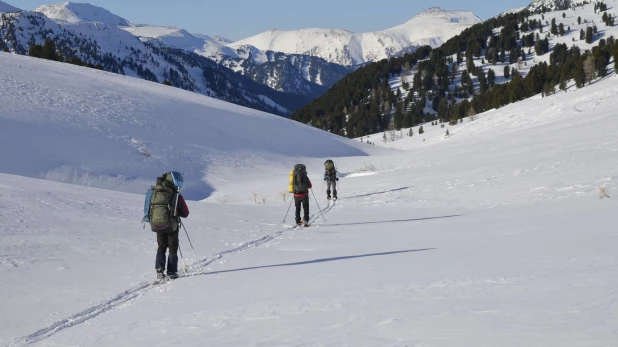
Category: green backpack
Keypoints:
(162, 207)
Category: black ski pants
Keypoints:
(305, 203)
(165, 241)
(331, 183)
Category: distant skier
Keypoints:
(165, 205)
(301, 185)
(331, 176)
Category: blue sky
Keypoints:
(238, 19)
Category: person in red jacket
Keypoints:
(302, 184)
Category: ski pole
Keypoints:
(191, 244)
(336, 177)
(316, 202)
(286, 214)
(183, 259)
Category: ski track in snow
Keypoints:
(143, 288)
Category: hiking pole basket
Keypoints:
(191, 244)
(183, 260)
(286, 214)
(316, 202)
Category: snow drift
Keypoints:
(88, 127)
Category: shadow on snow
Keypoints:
(396, 220)
(316, 261)
(376, 193)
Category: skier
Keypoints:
(331, 176)
(166, 207)
(301, 184)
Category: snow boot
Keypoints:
(172, 275)
(160, 275)
(172, 263)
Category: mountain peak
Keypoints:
(4, 7)
(452, 16)
(72, 12)
(431, 10)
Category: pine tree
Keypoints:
(420, 130)
(579, 20)
(491, 77)
(561, 29)
(588, 35)
(582, 35)
(507, 73)
(589, 68)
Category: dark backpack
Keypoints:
(329, 167)
(301, 182)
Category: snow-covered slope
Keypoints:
(431, 27)
(290, 73)
(71, 12)
(179, 38)
(105, 130)
(272, 69)
(494, 236)
(119, 51)
(4, 7)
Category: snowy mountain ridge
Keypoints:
(309, 80)
(556, 5)
(121, 52)
(71, 12)
(431, 27)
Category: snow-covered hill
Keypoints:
(558, 5)
(4, 7)
(431, 27)
(180, 38)
(105, 130)
(71, 12)
(282, 73)
(119, 51)
(289, 73)
(494, 236)
(588, 18)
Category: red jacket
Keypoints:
(304, 195)
(182, 210)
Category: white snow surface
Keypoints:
(71, 12)
(116, 132)
(4, 7)
(431, 27)
(493, 236)
(180, 38)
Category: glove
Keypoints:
(337, 179)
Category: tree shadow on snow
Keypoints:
(317, 261)
(395, 220)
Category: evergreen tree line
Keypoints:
(363, 102)
(48, 51)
